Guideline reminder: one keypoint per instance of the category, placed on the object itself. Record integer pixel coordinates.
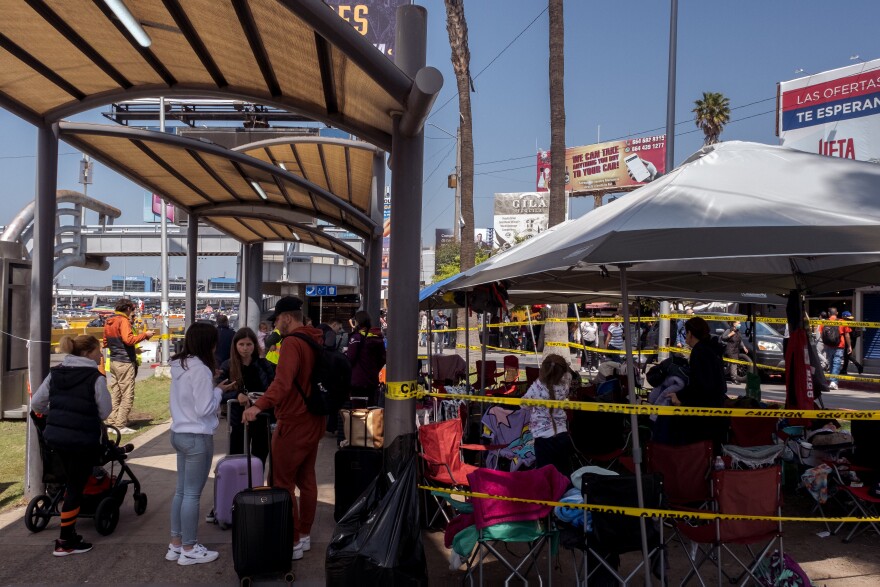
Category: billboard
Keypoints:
(834, 113)
(374, 19)
(613, 165)
(519, 216)
(483, 237)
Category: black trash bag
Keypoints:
(378, 541)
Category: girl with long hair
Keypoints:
(252, 375)
(194, 400)
(75, 400)
(549, 426)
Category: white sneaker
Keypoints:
(305, 542)
(126, 430)
(832, 385)
(173, 553)
(297, 551)
(198, 554)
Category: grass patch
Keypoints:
(150, 408)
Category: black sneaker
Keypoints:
(76, 546)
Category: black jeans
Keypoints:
(557, 451)
(78, 464)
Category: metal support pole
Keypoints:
(164, 262)
(467, 329)
(192, 268)
(243, 268)
(670, 86)
(663, 335)
(633, 419)
(483, 338)
(254, 287)
(42, 270)
(580, 352)
(372, 286)
(406, 226)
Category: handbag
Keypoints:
(364, 427)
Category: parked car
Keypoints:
(97, 322)
(767, 339)
(60, 324)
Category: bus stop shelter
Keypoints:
(61, 59)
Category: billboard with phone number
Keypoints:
(834, 113)
(603, 167)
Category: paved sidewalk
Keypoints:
(134, 553)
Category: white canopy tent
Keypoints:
(736, 216)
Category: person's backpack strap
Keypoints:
(315, 347)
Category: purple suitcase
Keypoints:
(230, 477)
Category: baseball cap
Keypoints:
(847, 314)
(286, 304)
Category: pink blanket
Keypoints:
(545, 483)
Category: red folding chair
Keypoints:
(685, 471)
(862, 505)
(754, 492)
(441, 453)
(509, 383)
(486, 374)
(752, 431)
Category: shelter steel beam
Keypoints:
(192, 268)
(373, 274)
(406, 225)
(42, 267)
(254, 287)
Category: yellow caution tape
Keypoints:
(599, 349)
(649, 409)
(646, 512)
(402, 389)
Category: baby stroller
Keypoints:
(104, 492)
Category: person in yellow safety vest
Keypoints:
(273, 344)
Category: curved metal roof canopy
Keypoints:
(251, 200)
(342, 167)
(61, 58)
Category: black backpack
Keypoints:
(831, 336)
(331, 379)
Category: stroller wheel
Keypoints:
(38, 512)
(140, 503)
(106, 516)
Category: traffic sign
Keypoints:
(320, 290)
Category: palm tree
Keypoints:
(557, 331)
(711, 114)
(456, 27)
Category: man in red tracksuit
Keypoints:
(298, 432)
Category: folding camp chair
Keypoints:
(861, 503)
(753, 431)
(685, 469)
(486, 374)
(610, 535)
(755, 492)
(599, 436)
(507, 379)
(532, 375)
(510, 521)
(511, 446)
(441, 449)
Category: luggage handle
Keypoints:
(247, 447)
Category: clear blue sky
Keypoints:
(615, 76)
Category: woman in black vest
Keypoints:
(75, 399)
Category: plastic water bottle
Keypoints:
(719, 464)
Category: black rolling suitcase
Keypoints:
(262, 530)
(355, 468)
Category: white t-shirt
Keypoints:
(541, 424)
(589, 331)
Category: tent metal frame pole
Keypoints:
(577, 316)
(485, 332)
(634, 422)
(467, 332)
(532, 333)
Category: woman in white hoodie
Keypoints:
(194, 402)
